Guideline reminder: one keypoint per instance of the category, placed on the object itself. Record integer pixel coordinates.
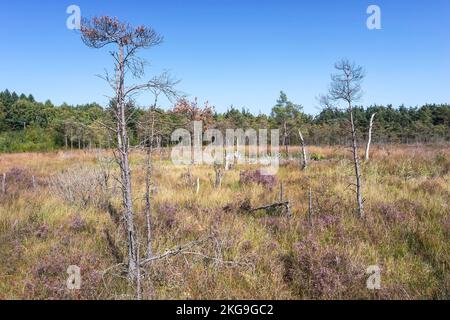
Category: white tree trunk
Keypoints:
(197, 186)
(302, 141)
(369, 140)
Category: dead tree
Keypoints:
(302, 141)
(33, 182)
(148, 182)
(219, 175)
(369, 139)
(346, 86)
(274, 206)
(127, 41)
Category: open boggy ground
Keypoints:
(69, 214)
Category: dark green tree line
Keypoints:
(29, 125)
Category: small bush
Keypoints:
(391, 212)
(258, 177)
(81, 186)
(317, 157)
(313, 271)
(78, 224)
(167, 215)
(19, 180)
(49, 276)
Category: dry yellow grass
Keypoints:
(406, 230)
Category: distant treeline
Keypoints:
(28, 125)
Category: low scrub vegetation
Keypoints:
(61, 209)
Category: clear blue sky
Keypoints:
(239, 53)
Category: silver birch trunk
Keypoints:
(302, 141)
(369, 140)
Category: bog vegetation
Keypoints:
(63, 220)
(105, 196)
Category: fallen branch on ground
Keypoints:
(220, 261)
(174, 251)
(274, 206)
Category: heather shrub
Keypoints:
(167, 215)
(274, 224)
(19, 180)
(314, 271)
(391, 213)
(49, 276)
(78, 224)
(258, 177)
(328, 220)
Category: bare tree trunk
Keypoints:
(122, 145)
(227, 164)
(302, 141)
(359, 197)
(369, 140)
(97, 33)
(285, 138)
(236, 153)
(219, 175)
(138, 275)
(147, 190)
(158, 139)
(197, 186)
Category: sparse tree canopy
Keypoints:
(346, 82)
(102, 31)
